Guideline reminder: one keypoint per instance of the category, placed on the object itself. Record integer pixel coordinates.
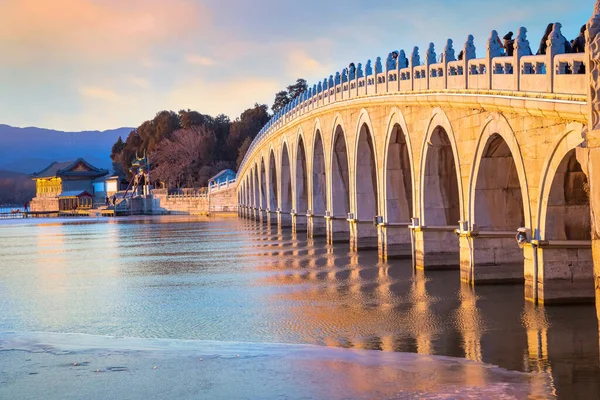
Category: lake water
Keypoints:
(186, 307)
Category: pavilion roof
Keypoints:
(78, 168)
(222, 176)
(74, 193)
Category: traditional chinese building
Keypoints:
(222, 179)
(65, 186)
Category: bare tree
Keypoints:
(181, 160)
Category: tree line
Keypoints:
(187, 148)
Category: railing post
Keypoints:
(521, 49)
(555, 45)
(415, 61)
(430, 58)
(448, 56)
(494, 49)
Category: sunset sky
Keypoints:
(101, 64)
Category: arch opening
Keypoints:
(441, 199)
(340, 181)
(399, 205)
(497, 206)
(301, 181)
(319, 179)
(286, 181)
(568, 266)
(273, 191)
(251, 189)
(263, 184)
(366, 177)
(256, 188)
(247, 192)
(568, 214)
(498, 198)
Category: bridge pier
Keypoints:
(316, 226)
(394, 241)
(490, 257)
(434, 247)
(284, 220)
(564, 272)
(262, 216)
(338, 230)
(299, 222)
(271, 218)
(363, 235)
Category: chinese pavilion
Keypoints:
(65, 186)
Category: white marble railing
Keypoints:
(552, 73)
(215, 187)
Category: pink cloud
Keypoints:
(95, 29)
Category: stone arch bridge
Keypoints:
(445, 161)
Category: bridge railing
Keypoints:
(553, 73)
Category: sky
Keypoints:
(101, 64)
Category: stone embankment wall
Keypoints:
(41, 204)
(221, 201)
(179, 205)
(224, 200)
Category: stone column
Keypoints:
(394, 241)
(592, 167)
(299, 222)
(363, 235)
(338, 230)
(284, 220)
(433, 247)
(315, 226)
(271, 217)
(489, 257)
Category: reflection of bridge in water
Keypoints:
(444, 161)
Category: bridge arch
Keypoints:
(263, 183)
(259, 203)
(498, 202)
(247, 192)
(339, 205)
(273, 187)
(563, 151)
(398, 172)
(365, 174)
(256, 203)
(301, 176)
(285, 194)
(242, 192)
(318, 181)
(440, 175)
(565, 263)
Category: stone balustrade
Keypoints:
(554, 74)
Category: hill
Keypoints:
(31, 149)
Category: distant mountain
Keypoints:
(29, 150)
(11, 174)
